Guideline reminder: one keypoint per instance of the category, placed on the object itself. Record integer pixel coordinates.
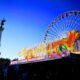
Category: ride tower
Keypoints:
(1, 29)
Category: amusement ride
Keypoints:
(62, 38)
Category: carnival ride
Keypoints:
(64, 31)
(61, 38)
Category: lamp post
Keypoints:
(1, 29)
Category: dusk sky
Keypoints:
(27, 20)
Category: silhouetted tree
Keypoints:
(4, 62)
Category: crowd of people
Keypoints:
(45, 70)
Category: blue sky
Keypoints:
(27, 20)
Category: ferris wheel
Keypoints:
(63, 23)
